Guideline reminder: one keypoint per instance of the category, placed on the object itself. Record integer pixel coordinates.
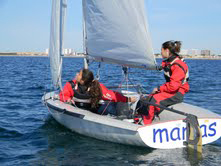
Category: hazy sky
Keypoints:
(25, 24)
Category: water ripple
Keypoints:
(29, 136)
(6, 133)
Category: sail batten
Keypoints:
(117, 32)
(56, 41)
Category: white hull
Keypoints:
(167, 133)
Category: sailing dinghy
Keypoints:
(116, 32)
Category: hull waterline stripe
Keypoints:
(65, 111)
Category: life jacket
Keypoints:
(168, 72)
(81, 96)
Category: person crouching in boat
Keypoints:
(176, 74)
(85, 92)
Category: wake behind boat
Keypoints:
(118, 45)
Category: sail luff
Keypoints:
(83, 24)
(86, 64)
(56, 41)
(117, 33)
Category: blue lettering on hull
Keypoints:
(163, 134)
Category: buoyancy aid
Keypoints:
(168, 72)
(81, 96)
(176, 76)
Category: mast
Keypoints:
(84, 36)
(61, 45)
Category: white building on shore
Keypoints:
(194, 52)
(183, 52)
(205, 52)
(66, 52)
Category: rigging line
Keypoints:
(49, 78)
(119, 87)
(126, 76)
(98, 72)
(126, 72)
(134, 86)
(137, 88)
(51, 84)
(141, 88)
(105, 107)
(58, 82)
(139, 91)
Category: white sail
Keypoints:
(117, 32)
(56, 40)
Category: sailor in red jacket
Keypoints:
(89, 92)
(176, 74)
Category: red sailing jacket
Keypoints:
(176, 74)
(179, 72)
(113, 96)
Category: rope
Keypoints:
(119, 87)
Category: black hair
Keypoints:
(173, 46)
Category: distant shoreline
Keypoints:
(38, 56)
(200, 57)
(32, 54)
(81, 55)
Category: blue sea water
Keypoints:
(30, 136)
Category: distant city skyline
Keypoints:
(25, 24)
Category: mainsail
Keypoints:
(117, 32)
(56, 40)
